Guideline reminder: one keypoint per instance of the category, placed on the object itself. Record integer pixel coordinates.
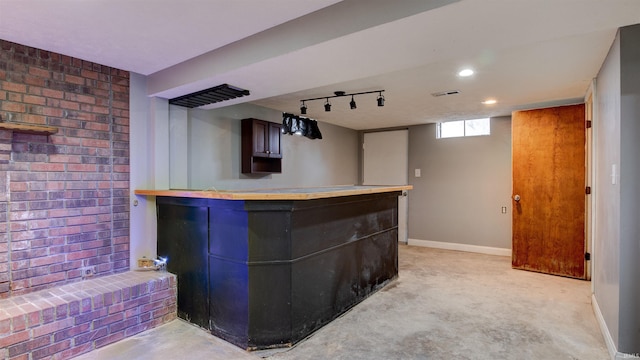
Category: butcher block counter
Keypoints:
(266, 268)
(277, 194)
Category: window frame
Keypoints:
(464, 128)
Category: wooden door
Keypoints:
(548, 154)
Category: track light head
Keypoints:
(303, 109)
(380, 100)
(327, 106)
(352, 104)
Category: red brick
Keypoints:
(69, 105)
(46, 279)
(62, 311)
(89, 336)
(67, 230)
(36, 100)
(28, 346)
(97, 126)
(137, 329)
(74, 79)
(15, 87)
(58, 158)
(108, 320)
(19, 323)
(33, 319)
(15, 338)
(70, 332)
(5, 327)
(50, 93)
(64, 213)
(47, 167)
(81, 254)
(16, 97)
(89, 74)
(75, 351)
(18, 186)
(55, 112)
(81, 98)
(48, 315)
(13, 106)
(52, 327)
(39, 72)
(34, 119)
(96, 143)
(121, 168)
(51, 350)
(81, 167)
(85, 305)
(47, 260)
(35, 81)
(109, 339)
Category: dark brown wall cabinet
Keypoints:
(261, 151)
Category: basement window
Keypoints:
(475, 127)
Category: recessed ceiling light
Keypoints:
(465, 72)
(490, 102)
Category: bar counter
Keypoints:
(276, 194)
(266, 268)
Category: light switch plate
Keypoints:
(418, 172)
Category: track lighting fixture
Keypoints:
(352, 103)
(380, 99)
(327, 105)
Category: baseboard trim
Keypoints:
(611, 346)
(461, 247)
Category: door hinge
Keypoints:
(587, 256)
(589, 124)
(588, 190)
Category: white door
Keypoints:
(386, 162)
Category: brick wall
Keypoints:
(64, 198)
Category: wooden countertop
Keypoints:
(276, 194)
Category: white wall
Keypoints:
(617, 195)
(606, 272)
(464, 184)
(629, 333)
(149, 165)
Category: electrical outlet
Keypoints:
(504, 209)
(88, 271)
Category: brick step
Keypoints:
(72, 319)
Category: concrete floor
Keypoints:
(445, 305)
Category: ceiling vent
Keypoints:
(209, 96)
(445, 93)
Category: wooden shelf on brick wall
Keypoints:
(29, 128)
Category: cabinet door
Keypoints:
(274, 140)
(183, 237)
(261, 138)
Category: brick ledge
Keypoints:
(72, 319)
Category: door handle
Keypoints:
(516, 198)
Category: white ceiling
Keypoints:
(526, 53)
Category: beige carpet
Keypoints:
(445, 305)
